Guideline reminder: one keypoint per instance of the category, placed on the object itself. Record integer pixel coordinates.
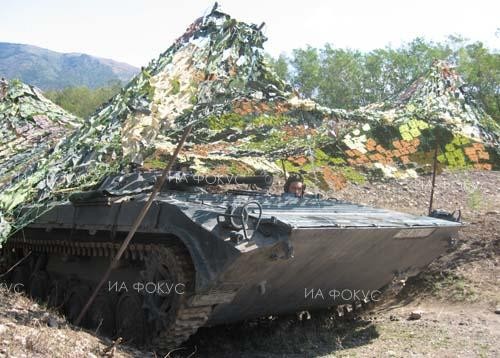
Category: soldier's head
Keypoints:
(294, 185)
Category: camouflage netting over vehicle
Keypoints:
(245, 118)
(30, 127)
(209, 75)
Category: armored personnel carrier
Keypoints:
(202, 259)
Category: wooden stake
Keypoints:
(159, 183)
(434, 169)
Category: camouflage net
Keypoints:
(30, 127)
(245, 118)
(398, 136)
(211, 72)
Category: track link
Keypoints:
(186, 319)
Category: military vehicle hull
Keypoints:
(330, 267)
(285, 254)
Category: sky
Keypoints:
(137, 31)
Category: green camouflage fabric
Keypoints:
(30, 127)
(244, 119)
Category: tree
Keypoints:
(342, 78)
(481, 71)
(280, 66)
(306, 71)
(83, 101)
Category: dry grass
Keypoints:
(25, 331)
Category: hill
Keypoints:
(48, 69)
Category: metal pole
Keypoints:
(434, 169)
(159, 183)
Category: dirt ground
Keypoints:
(456, 297)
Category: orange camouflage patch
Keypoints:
(335, 181)
(298, 131)
(247, 107)
(476, 153)
(403, 148)
(301, 160)
(205, 149)
(483, 166)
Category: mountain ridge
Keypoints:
(48, 69)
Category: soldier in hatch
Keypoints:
(294, 185)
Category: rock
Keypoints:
(3, 329)
(497, 310)
(415, 315)
(393, 318)
(50, 320)
(91, 355)
(21, 340)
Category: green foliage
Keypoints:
(154, 163)
(474, 196)
(176, 85)
(280, 65)
(353, 175)
(226, 121)
(451, 287)
(307, 71)
(289, 166)
(475, 199)
(342, 78)
(268, 120)
(337, 160)
(320, 156)
(481, 71)
(16, 82)
(272, 141)
(83, 101)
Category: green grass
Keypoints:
(454, 288)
